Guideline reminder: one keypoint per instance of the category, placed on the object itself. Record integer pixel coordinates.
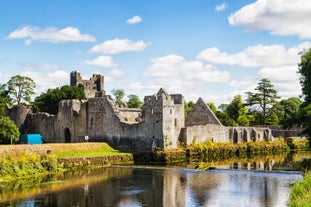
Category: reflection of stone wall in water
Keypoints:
(160, 123)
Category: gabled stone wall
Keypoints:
(201, 114)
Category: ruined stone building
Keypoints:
(161, 122)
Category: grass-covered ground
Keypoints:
(22, 161)
(62, 150)
(300, 194)
(82, 149)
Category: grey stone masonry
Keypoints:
(160, 123)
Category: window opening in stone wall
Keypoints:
(175, 122)
(151, 111)
(171, 111)
(91, 122)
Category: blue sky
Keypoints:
(199, 48)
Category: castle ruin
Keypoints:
(160, 123)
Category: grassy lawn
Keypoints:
(82, 149)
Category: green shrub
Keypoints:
(300, 193)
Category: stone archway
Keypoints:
(235, 136)
(67, 135)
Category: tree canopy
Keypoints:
(119, 95)
(264, 98)
(8, 129)
(134, 101)
(20, 89)
(48, 101)
(304, 69)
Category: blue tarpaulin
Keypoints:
(31, 139)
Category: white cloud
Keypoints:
(280, 17)
(101, 61)
(284, 78)
(112, 47)
(113, 75)
(49, 80)
(179, 75)
(116, 73)
(134, 20)
(46, 66)
(255, 56)
(221, 7)
(51, 34)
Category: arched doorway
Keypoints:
(235, 136)
(67, 135)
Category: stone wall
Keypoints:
(94, 87)
(17, 114)
(130, 115)
(204, 133)
(160, 123)
(44, 124)
(247, 134)
(201, 114)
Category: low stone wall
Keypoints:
(247, 134)
(205, 133)
(84, 162)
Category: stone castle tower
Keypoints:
(94, 87)
(164, 116)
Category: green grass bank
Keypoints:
(22, 161)
(300, 193)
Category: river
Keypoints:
(249, 183)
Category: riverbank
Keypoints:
(20, 161)
(211, 152)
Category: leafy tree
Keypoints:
(4, 99)
(212, 107)
(272, 119)
(223, 107)
(48, 101)
(265, 97)
(288, 111)
(134, 101)
(21, 89)
(7, 129)
(224, 118)
(188, 107)
(119, 95)
(237, 111)
(304, 69)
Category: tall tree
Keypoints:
(304, 69)
(119, 95)
(237, 111)
(264, 97)
(134, 101)
(21, 88)
(48, 101)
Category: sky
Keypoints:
(198, 48)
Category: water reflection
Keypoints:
(233, 183)
(141, 186)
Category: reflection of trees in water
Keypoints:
(201, 185)
(46, 186)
